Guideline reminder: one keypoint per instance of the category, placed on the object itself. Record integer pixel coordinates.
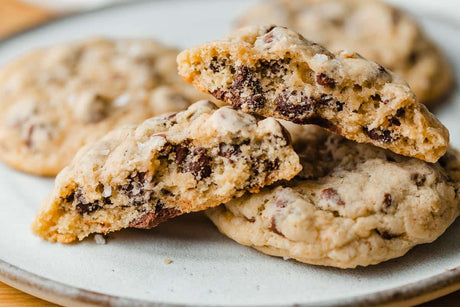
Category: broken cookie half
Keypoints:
(275, 72)
(140, 176)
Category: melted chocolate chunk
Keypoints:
(322, 122)
(376, 97)
(324, 80)
(199, 163)
(153, 218)
(82, 205)
(331, 195)
(378, 134)
(295, 112)
(219, 94)
(228, 151)
(181, 153)
(246, 80)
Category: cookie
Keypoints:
(352, 205)
(275, 72)
(139, 176)
(377, 31)
(55, 100)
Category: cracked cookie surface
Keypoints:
(352, 205)
(377, 31)
(275, 72)
(57, 99)
(139, 176)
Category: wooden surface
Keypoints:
(16, 16)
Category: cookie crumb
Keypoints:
(168, 261)
(286, 258)
(99, 239)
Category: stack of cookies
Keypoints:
(317, 155)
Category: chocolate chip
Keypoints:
(395, 121)
(245, 80)
(400, 112)
(250, 220)
(324, 80)
(331, 195)
(69, 198)
(272, 165)
(270, 28)
(87, 208)
(273, 226)
(82, 205)
(138, 189)
(181, 153)
(273, 67)
(153, 218)
(257, 102)
(295, 112)
(219, 94)
(376, 97)
(330, 102)
(378, 134)
(387, 202)
(199, 163)
(216, 65)
(228, 151)
(322, 122)
(386, 235)
(418, 179)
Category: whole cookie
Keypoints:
(55, 100)
(377, 31)
(141, 175)
(352, 205)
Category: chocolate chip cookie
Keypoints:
(352, 205)
(374, 29)
(273, 71)
(55, 100)
(139, 176)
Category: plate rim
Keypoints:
(416, 292)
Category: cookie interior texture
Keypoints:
(374, 29)
(273, 71)
(352, 205)
(55, 100)
(139, 176)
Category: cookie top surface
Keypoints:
(274, 71)
(57, 99)
(166, 166)
(374, 29)
(353, 204)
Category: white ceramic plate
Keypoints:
(207, 268)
